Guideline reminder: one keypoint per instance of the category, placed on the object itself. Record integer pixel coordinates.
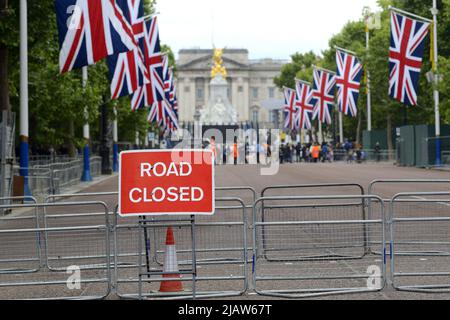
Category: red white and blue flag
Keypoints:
(305, 104)
(153, 92)
(162, 112)
(290, 108)
(348, 82)
(405, 57)
(323, 92)
(127, 70)
(91, 30)
(172, 98)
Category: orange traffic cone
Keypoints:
(171, 265)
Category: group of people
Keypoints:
(237, 153)
(315, 153)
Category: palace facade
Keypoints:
(250, 85)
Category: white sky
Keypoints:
(267, 28)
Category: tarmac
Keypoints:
(225, 231)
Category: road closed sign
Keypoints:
(172, 182)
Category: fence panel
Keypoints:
(386, 189)
(70, 280)
(313, 189)
(220, 253)
(20, 252)
(312, 246)
(420, 243)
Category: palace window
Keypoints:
(255, 93)
(255, 115)
(271, 93)
(200, 94)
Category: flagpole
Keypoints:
(341, 128)
(320, 138)
(115, 142)
(411, 15)
(435, 13)
(86, 177)
(369, 95)
(24, 124)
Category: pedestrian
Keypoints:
(378, 152)
(214, 149)
(315, 153)
(235, 152)
(324, 152)
(298, 150)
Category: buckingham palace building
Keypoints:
(251, 89)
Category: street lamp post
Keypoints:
(435, 13)
(367, 15)
(86, 177)
(24, 124)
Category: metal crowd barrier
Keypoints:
(420, 242)
(313, 246)
(404, 184)
(219, 256)
(52, 256)
(301, 190)
(69, 281)
(13, 257)
(301, 246)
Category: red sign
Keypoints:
(172, 182)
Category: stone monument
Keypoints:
(219, 110)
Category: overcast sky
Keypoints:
(267, 28)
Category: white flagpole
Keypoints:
(411, 15)
(369, 96)
(320, 138)
(435, 13)
(24, 124)
(115, 142)
(341, 128)
(86, 177)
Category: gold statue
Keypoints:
(218, 68)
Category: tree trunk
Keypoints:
(389, 132)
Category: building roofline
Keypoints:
(226, 50)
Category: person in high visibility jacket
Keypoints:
(235, 152)
(315, 152)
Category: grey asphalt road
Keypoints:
(24, 253)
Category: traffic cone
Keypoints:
(171, 265)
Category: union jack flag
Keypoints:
(305, 103)
(172, 97)
(90, 30)
(152, 92)
(405, 57)
(127, 70)
(290, 108)
(323, 92)
(164, 112)
(348, 82)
